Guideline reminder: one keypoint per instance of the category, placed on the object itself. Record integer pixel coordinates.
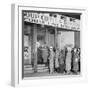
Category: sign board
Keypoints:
(56, 20)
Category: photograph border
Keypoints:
(16, 43)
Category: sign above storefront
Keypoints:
(55, 20)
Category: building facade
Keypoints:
(42, 30)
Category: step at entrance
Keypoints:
(40, 68)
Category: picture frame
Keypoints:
(16, 44)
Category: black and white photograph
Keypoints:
(45, 44)
(50, 43)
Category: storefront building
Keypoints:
(43, 30)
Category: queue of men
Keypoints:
(66, 60)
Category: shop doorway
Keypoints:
(45, 38)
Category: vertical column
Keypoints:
(46, 36)
(29, 32)
(35, 46)
(55, 38)
(59, 36)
